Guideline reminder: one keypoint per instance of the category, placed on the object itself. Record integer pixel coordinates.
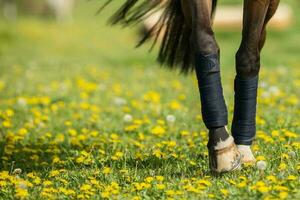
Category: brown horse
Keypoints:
(189, 43)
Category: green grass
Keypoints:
(64, 92)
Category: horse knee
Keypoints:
(247, 63)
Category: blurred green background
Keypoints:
(88, 37)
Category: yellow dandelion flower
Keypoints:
(283, 195)
(225, 192)
(242, 184)
(159, 178)
(280, 188)
(258, 158)
(152, 96)
(175, 105)
(149, 179)
(158, 130)
(282, 166)
(7, 124)
(263, 189)
(157, 153)
(106, 170)
(271, 178)
(54, 173)
(21, 193)
(291, 178)
(105, 194)
(170, 192)
(85, 187)
(47, 183)
(160, 186)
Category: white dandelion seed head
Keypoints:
(292, 154)
(17, 171)
(120, 101)
(22, 185)
(127, 118)
(171, 118)
(263, 84)
(282, 69)
(102, 87)
(274, 90)
(261, 165)
(22, 102)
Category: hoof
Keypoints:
(247, 155)
(224, 157)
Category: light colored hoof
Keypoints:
(247, 155)
(224, 157)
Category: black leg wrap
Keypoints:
(244, 125)
(213, 107)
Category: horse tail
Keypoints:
(175, 49)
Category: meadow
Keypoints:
(85, 115)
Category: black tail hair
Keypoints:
(175, 49)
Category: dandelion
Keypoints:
(37, 181)
(17, 171)
(149, 179)
(263, 189)
(224, 192)
(158, 130)
(157, 153)
(159, 178)
(170, 192)
(7, 124)
(260, 158)
(85, 187)
(292, 154)
(175, 105)
(261, 165)
(283, 195)
(127, 118)
(271, 178)
(54, 173)
(21, 193)
(47, 183)
(242, 184)
(106, 170)
(291, 178)
(160, 186)
(282, 166)
(171, 118)
(152, 96)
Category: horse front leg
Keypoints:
(223, 154)
(256, 15)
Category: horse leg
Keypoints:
(270, 13)
(222, 150)
(256, 15)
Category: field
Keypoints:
(85, 115)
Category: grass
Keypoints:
(83, 115)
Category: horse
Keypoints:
(189, 44)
